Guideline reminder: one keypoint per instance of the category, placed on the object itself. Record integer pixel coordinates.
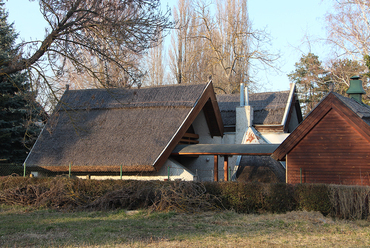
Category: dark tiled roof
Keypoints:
(361, 109)
(268, 107)
(114, 127)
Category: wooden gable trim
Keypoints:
(207, 95)
(301, 131)
(331, 102)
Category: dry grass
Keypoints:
(24, 227)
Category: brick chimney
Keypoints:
(355, 90)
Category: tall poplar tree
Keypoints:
(19, 111)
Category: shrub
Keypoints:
(350, 202)
(313, 197)
(279, 198)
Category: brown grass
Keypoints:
(29, 228)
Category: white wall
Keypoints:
(203, 166)
(177, 172)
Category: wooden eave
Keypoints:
(331, 102)
(206, 101)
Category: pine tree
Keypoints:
(18, 108)
(312, 81)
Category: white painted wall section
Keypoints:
(177, 172)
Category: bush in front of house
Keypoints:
(349, 202)
(280, 198)
(313, 197)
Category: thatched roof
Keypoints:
(260, 168)
(100, 130)
(268, 107)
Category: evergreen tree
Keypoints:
(18, 108)
(312, 81)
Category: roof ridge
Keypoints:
(141, 88)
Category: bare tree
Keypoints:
(188, 53)
(88, 33)
(342, 70)
(105, 73)
(217, 40)
(155, 66)
(348, 27)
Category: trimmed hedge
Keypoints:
(349, 202)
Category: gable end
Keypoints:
(327, 104)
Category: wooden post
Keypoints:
(215, 168)
(226, 167)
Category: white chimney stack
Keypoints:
(242, 100)
(246, 95)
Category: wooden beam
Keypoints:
(188, 141)
(191, 135)
(215, 168)
(226, 168)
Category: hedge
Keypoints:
(349, 202)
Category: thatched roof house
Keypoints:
(100, 130)
(332, 144)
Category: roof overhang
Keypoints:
(225, 149)
(208, 102)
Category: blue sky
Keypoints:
(288, 22)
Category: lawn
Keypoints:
(25, 227)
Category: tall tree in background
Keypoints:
(217, 40)
(84, 33)
(349, 27)
(341, 71)
(228, 34)
(105, 73)
(155, 66)
(19, 111)
(189, 55)
(312, 81)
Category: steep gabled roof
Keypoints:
(357, 114)
(99, 130)
(268, 107)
